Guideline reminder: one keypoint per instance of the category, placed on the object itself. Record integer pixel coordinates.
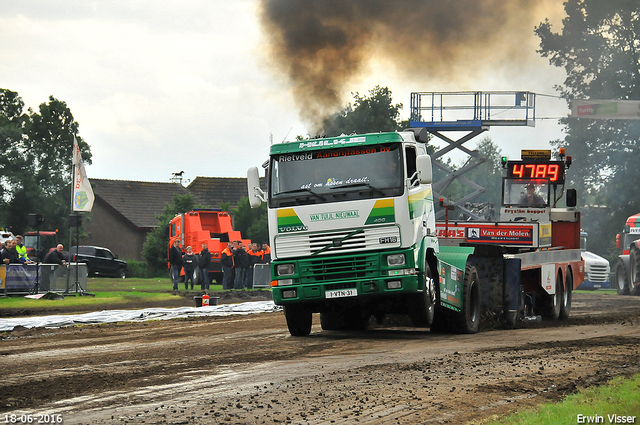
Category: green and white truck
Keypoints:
(353, 235)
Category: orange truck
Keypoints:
(210, 226)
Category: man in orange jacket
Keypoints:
(227, 266)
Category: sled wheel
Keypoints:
(565, 309)
(553, 303)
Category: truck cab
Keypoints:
(351, 226)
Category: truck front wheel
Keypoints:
(469, 318)
(422, 305)
(622, 278)
(298, 320)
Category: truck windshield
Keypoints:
(526, 192)
(335, 175)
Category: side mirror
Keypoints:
(572, 198)
(423, 164)
(618, 241)
(256, 195)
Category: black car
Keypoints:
(99, 261)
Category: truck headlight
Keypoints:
(290, 293)
(395, 260)
(286, 269)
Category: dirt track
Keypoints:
(247, 369)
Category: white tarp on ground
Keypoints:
(112, 316)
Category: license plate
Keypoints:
(341, 293)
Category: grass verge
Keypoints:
(616, 402)
(107, 291)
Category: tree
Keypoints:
(367, 114)
(600, 52)
(251, 222)
(156, 246)
(35, 161)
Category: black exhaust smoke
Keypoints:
(321, 45)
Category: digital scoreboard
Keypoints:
(552, 170)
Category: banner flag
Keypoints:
(82, 193)
(606, 109)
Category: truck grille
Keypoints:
(338, 269)
(598, 274)
(290, 246)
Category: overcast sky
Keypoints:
(165, 86)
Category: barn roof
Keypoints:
(139, 202)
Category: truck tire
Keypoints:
(351, 320)
(422, 305)
(552, 304)
(634, 270)
(357, 319)
(298, 320)
(121, 274)
(565, 309)
(331, 321)
(468, 320)
(622, 278)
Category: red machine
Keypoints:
(628, 267)
(45, 242)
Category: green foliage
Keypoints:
(156, 246)
(35, 162)
(598, 48)
(621, 396)
(251, 222)
(370, 114)
(140, 269)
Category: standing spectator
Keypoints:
(227, 266)
(255, 257)
(203, 262)
(55, 256)
(21, 250)
(266, 256)
(175, 259)
(8, 254)
(241, 259)
(189, 262)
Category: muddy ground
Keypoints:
(247, 369)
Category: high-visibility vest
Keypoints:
(22, 252)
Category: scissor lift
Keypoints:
(472, 113)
